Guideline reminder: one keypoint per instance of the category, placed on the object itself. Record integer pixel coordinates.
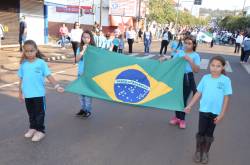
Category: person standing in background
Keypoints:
(121, 44)
(246, 48)
(147, 38)
(22, 32)
(75, 36)
(130, 36)
(140, 33)
(63, 34)
(166, 37)
(108, 43)
(1, 34)
(238, 42)
(99, 39)
(213, 39)
(116, 41)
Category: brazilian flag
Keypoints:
(141, 82)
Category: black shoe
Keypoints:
(80, 113)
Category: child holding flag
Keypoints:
(85, 101)
(192, 66)
(214, 90)
(32, 88)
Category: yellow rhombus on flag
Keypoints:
(122, 85)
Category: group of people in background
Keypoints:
(242, 42)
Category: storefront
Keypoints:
(10, 13)
(9, 18)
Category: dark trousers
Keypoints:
(242, 55)
(130, 45)
(164, 45)
(75, 46)
(237, 48)
(22, 39)
(189, 86)
(115, 48)
(212, 43)
(206, 124)
(120, 51)
(246, 55)
(36, 110)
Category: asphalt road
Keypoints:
(119, 134)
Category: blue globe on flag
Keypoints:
(131, 86)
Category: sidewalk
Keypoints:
(11, 55)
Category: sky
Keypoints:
(215, 4)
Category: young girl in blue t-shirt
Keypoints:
(214, 90)
(85, 101)
(192, 66)
(33, 69)
(177, 45)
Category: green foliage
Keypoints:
(235, 23)
(163, 11)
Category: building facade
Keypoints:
(44, 17)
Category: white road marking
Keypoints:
(228, 67)
(7, 85)
(247, 67)
(204, 63)
(146, 57)
(17, 82)
(134, 54)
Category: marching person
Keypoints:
(214, 92)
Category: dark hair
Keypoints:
(120, 36)
(75, 24)
(92, 41)
(38, 53)
(222, 60)
(108, 35)
(193, 39)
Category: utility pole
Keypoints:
(243, 8)
(139, 13)
(79, 11)
(100, 14)
(94, 11)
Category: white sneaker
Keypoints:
(30, 133)
(38, 136)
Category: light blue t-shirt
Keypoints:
(116, 41)
(80, 63)
(194, 56)
(213, 91)
(32, 75)
(174, 45)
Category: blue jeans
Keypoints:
(63, 38)
(147, 44)
(86, 103)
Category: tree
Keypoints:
(163, 11)
(234, 23)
